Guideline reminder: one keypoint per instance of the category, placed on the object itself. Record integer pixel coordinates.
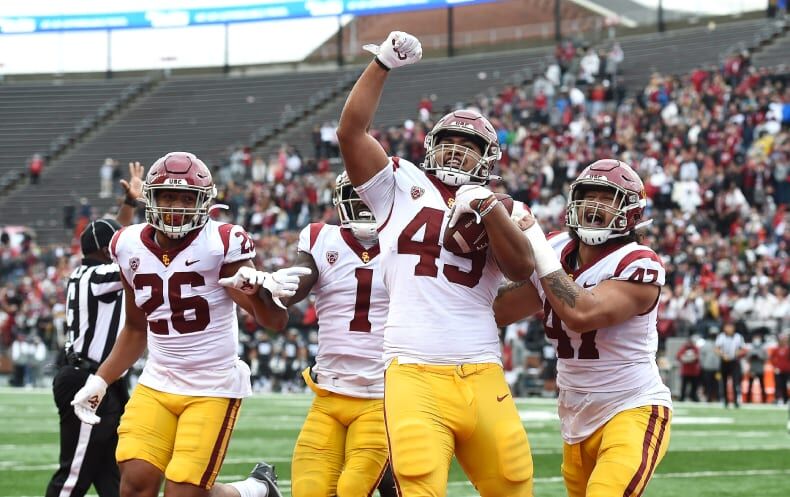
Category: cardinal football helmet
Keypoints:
(352, 211)
(178, 171)
(445, 159)
(626, 209)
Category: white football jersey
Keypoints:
(606, 371)
(440, 303)
(351, 304)
(192, 325)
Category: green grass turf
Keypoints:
(713, 452)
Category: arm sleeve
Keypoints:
(379, 192)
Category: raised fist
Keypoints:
(399, 49)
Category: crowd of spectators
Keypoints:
(712, 147)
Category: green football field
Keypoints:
(714, 452)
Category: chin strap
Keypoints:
(600, 236)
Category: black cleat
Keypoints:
(265, 474)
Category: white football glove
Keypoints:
(464, 198)
(521, 216)
(399, 49)
(88, 398)
(284, 282)
(247, 279)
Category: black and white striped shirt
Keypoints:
(730, 345)
(95, 311)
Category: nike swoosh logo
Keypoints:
(501, 398)
(585, 285)
(189, 263)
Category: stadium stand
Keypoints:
(46, 118)
(775, 54)
(203, 114)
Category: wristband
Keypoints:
(381, 64)
(486, 205)
(546, 261)
(130, 202)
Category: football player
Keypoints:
(598, 288)
(445, 390)
(183, 275)
(342, 447)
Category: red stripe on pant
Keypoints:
(659, 440)
(217, 454)
(651, 425)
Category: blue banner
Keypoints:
(169, 18)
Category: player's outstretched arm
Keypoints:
(259, 292)
(362, 154)
(306, 282)
(611, 302)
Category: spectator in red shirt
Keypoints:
(688, 356)
(780, 359)
(35, 167)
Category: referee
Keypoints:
(730, 346)
(94, 303)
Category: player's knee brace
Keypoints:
(414, 452)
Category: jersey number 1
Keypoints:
(361, 321)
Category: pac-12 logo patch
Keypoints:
(416, 192)
(134, 263)
(331, 256)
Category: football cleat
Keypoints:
(264, 473)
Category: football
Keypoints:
(467, 236)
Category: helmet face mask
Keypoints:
(595, 219)
(454, 163)
(178, 172)
(353, 213)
